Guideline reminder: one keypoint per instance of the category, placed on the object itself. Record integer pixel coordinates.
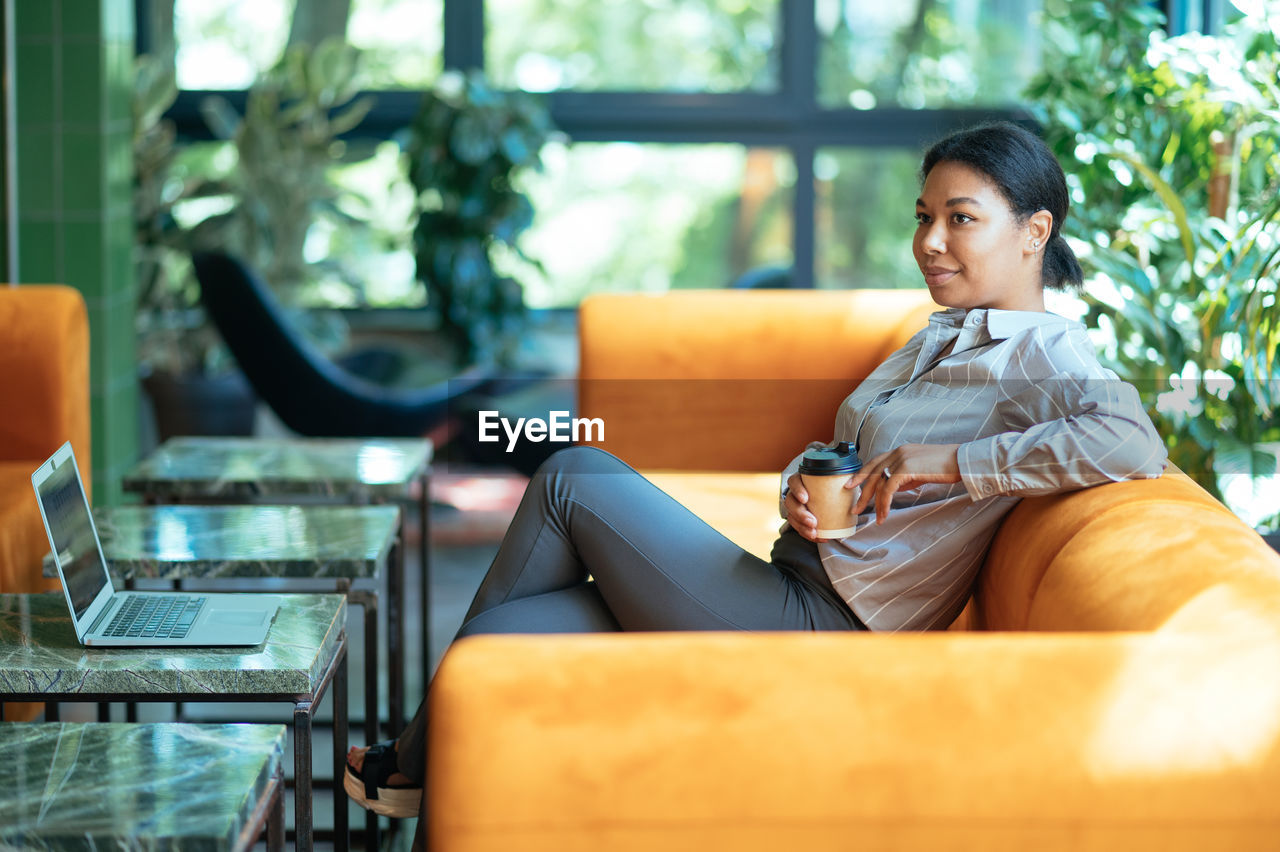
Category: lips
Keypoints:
(935, 275)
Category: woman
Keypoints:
(995, 400)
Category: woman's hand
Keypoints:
(909, 466)
(798, 515)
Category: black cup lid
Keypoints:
(842, 458)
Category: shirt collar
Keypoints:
(1000, 324)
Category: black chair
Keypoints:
(764, 278)
(310, 393)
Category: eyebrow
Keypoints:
(952, 202)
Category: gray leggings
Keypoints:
(596, 547)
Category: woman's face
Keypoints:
(972, 249)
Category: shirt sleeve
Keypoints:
(1079, 428)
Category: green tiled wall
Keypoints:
(74, 71)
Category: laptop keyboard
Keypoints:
(159, 616)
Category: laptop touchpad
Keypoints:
(237, 617)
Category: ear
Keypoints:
(1038, 228)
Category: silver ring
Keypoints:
(886, 473)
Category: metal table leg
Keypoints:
(275, 818)
(395, 637)
(341, 827)
(369, 603)
(303, 711)
(424, 554)
(303, 840)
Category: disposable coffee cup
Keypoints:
(824, 473)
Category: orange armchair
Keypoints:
(44, 383)
(1117, 688)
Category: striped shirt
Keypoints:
(1033, 411)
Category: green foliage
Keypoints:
(468, 143)
(286, 143)
(258, 194)
(1172, 150)
(173, 334)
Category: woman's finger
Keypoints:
(886, 487)
(800, 518)
(871, 478)
(795, 487)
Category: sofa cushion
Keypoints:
(742, 506)
(1097, 741)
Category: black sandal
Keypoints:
(370, 789)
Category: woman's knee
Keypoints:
(579, 459)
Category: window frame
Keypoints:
(789, 119)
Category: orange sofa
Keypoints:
(1114, 684)
(44, 383)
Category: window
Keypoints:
(864, 224)
(225, 44)
(649, 217)
(711, 137)
(626, 45)
(925, 54)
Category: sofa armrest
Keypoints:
(44, 385)
(790, 741)
(44, 373)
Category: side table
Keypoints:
(305, 651)
(301, 470)
(158, 786)
(252, 542)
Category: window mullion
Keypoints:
(463, 34)
(799, 88)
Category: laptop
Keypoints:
(104, 617)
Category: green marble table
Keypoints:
(183, 542)
(353, 469)
(305, 651)
(249, 542)
(347, 470)
(153, 787)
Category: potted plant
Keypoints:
(286, 142)
(188, 375)
(1172, 146)
(467, 146)
(264, 203)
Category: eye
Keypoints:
(961, 218)
(922, 218)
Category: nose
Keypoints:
(933, 240)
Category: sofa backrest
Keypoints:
(1140, 555)
(731, 379)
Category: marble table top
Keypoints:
(121, 786)
(186, 542)
(41, 657)
(220, 467)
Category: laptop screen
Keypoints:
(67, 512)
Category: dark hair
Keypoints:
(1021, 165)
